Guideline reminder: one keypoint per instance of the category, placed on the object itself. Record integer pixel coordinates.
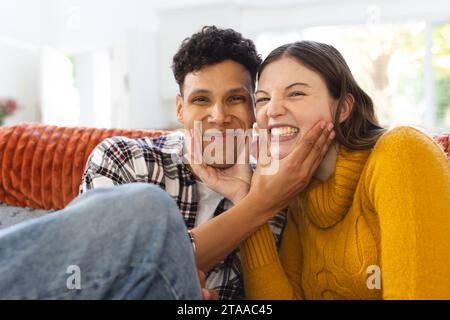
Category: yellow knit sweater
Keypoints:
(384, 212)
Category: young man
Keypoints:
(215, 70)
(126, 240)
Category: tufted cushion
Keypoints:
(41, 165)
(444, 141)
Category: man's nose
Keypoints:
(219, 114)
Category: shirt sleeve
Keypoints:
(111, 163)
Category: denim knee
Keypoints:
(150, 206)
(137, 203)
(154, 220)
(140, 215)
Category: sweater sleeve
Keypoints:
(268, 276)
(409, 187)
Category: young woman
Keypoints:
(374, 222)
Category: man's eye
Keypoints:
(235, 99)
(200, 100)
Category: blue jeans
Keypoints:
(124, 242)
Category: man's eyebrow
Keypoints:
(237, 90)
(298, 84)
(200, 91)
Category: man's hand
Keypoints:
(206, 293)
(232, 183)
(275, 191)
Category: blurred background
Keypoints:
(106, 63)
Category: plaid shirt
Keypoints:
(120, 160)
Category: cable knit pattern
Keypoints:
(389, 207)
(335, 275)
(339, 190)
(42, 165)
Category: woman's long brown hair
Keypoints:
(361, 130)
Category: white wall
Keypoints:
(81, 25)
(254, 17)
(178, 23)
(143, 36)
(21, 20)
(85, 28)
(20, 35)
(129, 33)
(145, 110)
(93, 80)
(59, 99)
(120, 86)
(19, 65)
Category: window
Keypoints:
(404, 67)
(60, 98)
(441, 67)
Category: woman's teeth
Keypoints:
(283, 131)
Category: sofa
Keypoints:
(41, 166)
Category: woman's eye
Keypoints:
(262, 100)
(296, 94)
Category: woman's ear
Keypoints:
(347, 107)
(179, 106)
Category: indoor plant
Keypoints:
(7, 108)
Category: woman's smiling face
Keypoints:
(290, 100)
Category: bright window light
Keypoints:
(393, 64)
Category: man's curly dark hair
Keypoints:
(212, 45)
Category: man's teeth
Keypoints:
(283, 131)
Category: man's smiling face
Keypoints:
(220, 97)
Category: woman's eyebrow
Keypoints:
(288, 87)
(298, 84)
(260, 91)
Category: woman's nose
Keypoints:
(219, 115)
(275, 108)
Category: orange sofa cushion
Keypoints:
(444, 141)
(41, 166)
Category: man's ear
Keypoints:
(347, 107)
(179, 106)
